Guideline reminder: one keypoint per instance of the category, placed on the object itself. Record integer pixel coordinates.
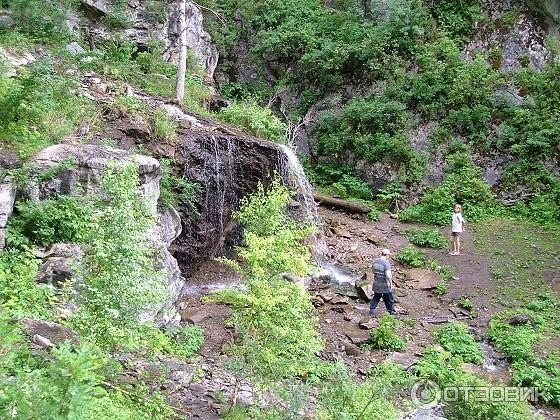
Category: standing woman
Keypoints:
(457, 227)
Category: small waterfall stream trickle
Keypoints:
(292, 174)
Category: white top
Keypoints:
(457, 223)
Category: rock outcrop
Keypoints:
(83, 176)
(155, 20)
(7, 198)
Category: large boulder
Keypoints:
(53, 332)
(59, 264)
(7, 198)
(83, 176)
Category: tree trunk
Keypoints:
(345, 205)
(182, 69)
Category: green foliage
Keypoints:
(64, 219)
(256, 120)
(371, 128)
(544, 375)
(342, 398)
(385, 336)
(39, 107)
(119, 277)
(273, 317)
(515, 341)
(43, 21)
(464, 187)
(411, 256)
(176, 190)
(163, 127)
(521, 344)
(456, 338)
(457, 18)
(442, 288)
(69, 384)
(183, 342)
(430, 238)
(20, 295)
(273, 242)
(118, 19)
(465, 303)
(444, 368)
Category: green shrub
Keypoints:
(445, 369)
(183, 342)
(465, 303)
(120, 279)
(411, 256)
(40, 107)
(456, 338)
(64, 219)
(442, 288)
(431, 238)
(72, 383)
(44, 21)
(385, 336)
(516, 342)
(545, 376)
(273, 317)
(20, 295)
(164, 129)
(464, 187)
(341, 397)
(255, 119)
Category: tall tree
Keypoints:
(181, 71)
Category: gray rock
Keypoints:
(520, 319)
(97, 6)
(199, 41)
(7, 199)
(346, 289)
(84, 177)
(9, 159)
(434, 413)
(51, 331)
(74, 48)
(351, 349)
(42, 342)
(59, 264)
(6, 21)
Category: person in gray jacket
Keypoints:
(382, 284)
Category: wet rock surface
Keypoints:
(7, 199)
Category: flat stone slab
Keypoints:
(422, 279)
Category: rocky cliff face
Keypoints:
(89, 163)
(151, 20)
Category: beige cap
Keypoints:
(385, 251)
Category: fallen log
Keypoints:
(339, 203)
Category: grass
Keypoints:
(524, 258)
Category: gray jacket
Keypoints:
(381, 282)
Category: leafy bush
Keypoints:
(183, 342)
(64, 219)
(163, 127)
(385, 336)
(44, 21)
(445, 369)
(256, 120)
(40, 107)
(431, 238)
(20, 295)
(516, 342)
(341, 397)
(71, 384)
(273, 317)
(119, 277)
(411, 256)
(456, 338)
(544, 375)
(464, 187)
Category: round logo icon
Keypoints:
(425, 394)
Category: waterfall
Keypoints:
(292, 174)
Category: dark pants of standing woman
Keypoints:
(388, 300)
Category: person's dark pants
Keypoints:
(388, 300)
